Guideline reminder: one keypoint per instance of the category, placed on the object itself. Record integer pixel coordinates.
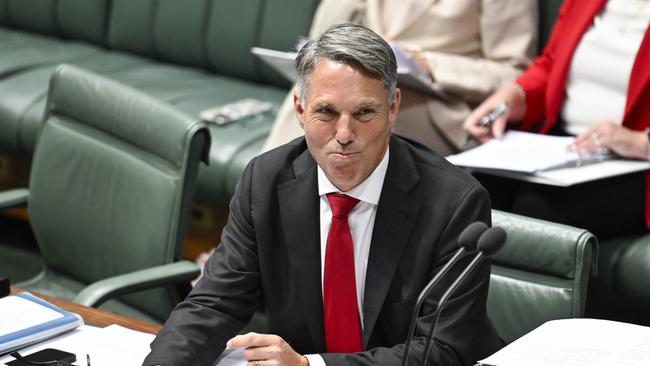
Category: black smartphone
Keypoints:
(44, 355)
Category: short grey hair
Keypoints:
(349, 43)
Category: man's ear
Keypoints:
(298, 108)
(393, 109)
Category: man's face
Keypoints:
(347, 121)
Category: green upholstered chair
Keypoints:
(621, 291)
(541, 274)
(111, 186)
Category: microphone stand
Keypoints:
(489, 243)
(443, 299)
(467, 241)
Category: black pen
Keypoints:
(493, 115)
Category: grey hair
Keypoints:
(349, 43)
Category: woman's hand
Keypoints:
(514, 111)
(608, 135)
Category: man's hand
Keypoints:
(267, 349)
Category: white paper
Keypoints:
(282, 62)
(578, 342)
(19, 313)
(232, 357)
(518, 151)
(528, 156)
(29, 319)
(110, 346)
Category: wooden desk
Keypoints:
(98, 317)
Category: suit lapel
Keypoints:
(299, 214)
(396, 216)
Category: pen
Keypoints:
(494, 114)
(487, 120)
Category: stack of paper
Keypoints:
(110, 346)
(578, 342)
(28, 319)
(543, 159)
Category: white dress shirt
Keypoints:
(361, 221)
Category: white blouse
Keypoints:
(597, 82)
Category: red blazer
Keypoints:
(544, 81)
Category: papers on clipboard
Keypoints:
(409, 74)
(543, 159)
(577, 342)
(28, 319)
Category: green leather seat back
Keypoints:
(112, 182)
(4, 12)
(630, 274)
(541, 274)
(167, 30)
(213, 34)
(274, 24)
(83, 20)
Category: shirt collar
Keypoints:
(367, 191)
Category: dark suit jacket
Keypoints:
(269, 257)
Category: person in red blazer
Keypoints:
(536, 99)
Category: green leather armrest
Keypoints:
(13, 198)
(97, 293)
(540, 274)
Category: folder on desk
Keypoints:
(27, 319)
(543, 159)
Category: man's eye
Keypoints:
(325, 113)
(365, 114)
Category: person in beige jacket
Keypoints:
(469, 47)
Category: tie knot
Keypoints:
(341, 204)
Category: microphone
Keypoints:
(467, 242)
(488, 244)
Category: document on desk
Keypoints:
(543, 159)
(109, 346)
(578, 342)
(29, 319)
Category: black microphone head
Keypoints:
(468, 238)
(492, 240)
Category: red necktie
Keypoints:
(342, 325)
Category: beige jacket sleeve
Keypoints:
(508, 32)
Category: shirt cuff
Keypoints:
(315, 360)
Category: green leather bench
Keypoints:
(191, 54)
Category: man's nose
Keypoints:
(344, 130)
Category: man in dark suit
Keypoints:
(338, 288)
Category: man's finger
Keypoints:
(248, 340)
